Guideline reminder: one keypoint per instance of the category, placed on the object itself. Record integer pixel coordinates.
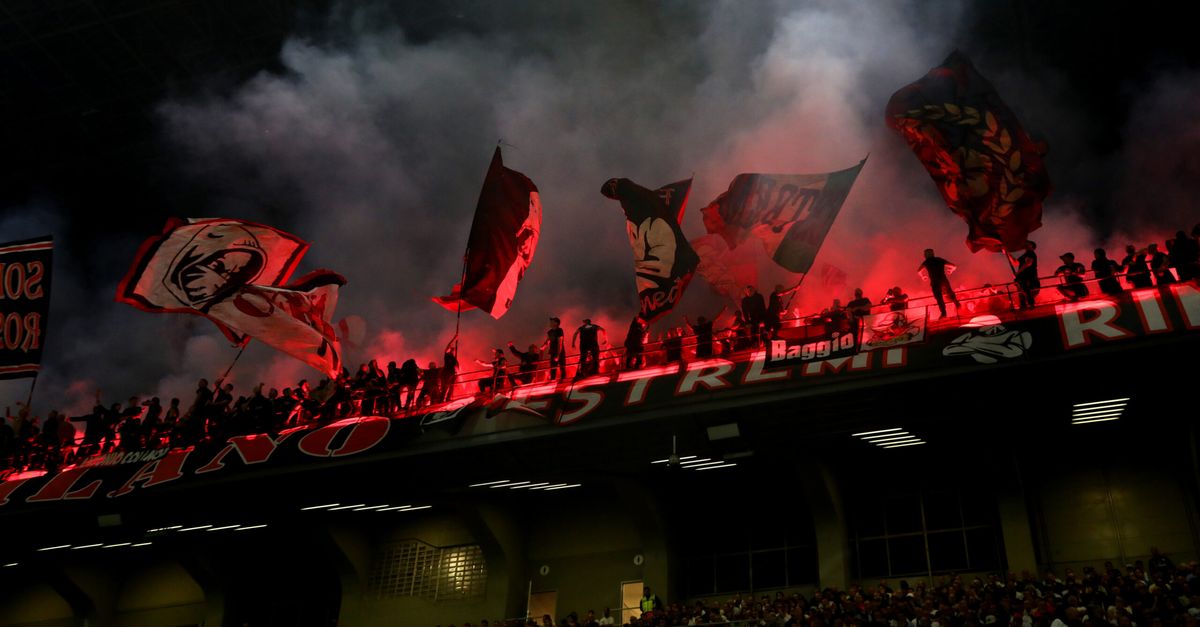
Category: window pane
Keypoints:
(700, 576)
(978, 510)
(946, 551)
(733, 572)
(802, 565)
(903, 514)
(769, 569)
(908, 555)
(868, 519)
(982, 545)
(770, 532)
(941, 512)
(872, 558)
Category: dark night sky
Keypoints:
(115, 111)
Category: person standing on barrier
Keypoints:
(635, 344)
(556, 348)
(1028, 283)
(754, 312)
(449, 373)
(1160, 266)
(588, 338)
(528, 364)
(775, 306)
(1135, 268)
(703, 330)
(859, 308)
(1106, 271)
(937, 271)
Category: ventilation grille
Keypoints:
(416, 569)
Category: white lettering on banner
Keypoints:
(580, 394)
(641, 381)
(755, 372)
(1188, 299)
(707, 373)
(1076, 331)
(1150, 309)
(860, 361)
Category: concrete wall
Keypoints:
(589, 550)
(35, 605)
(1092, 512)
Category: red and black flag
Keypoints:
(24, 305)
(663, 260)
(232, 272)
(504, 236)
(987, 168)
(296, 319)
(789, 213)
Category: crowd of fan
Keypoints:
(1156, 593)
(26, 442)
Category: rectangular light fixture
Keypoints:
(510, 484)
(194, 528)
(87, 546)
(663, 461)
(251, 527)
(141, 544)
(113, 546)
(10, 564)
(395, 507)
(723, 465)
(1115, 400)
(705, 465)
(900, 441)
(698, 460)
(369, 508)
(564, 487)
(334, 509)
(918, 443)
(223, 528)
(527, 487)
(1084, 422)
(885, 436)
(859, 435)
(305, 509)
(892, 438)
(413, 509)
(55, 548)
(487, 483)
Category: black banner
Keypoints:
(981, 343)
(663, 259)
(24, 305)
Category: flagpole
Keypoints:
(794, 290)
(461, 287)
(29, 399)
(234, 362)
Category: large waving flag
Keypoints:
(663, 260)
(232, 272)
(24, 305)
(504, 236)
(295, 319)
(196, 263)
(790, 214)
(987, 168)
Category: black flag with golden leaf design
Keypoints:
(988, 169)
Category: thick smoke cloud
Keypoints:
(372, 143)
